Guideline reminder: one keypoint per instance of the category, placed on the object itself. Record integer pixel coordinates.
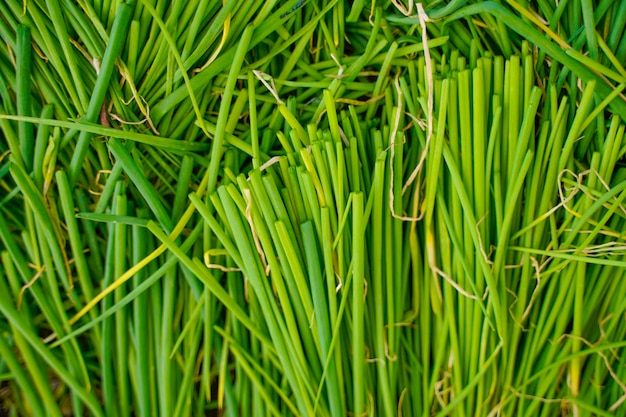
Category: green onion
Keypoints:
(312, 208)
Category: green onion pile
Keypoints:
(332, 208)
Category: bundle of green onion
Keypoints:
(325, 208)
